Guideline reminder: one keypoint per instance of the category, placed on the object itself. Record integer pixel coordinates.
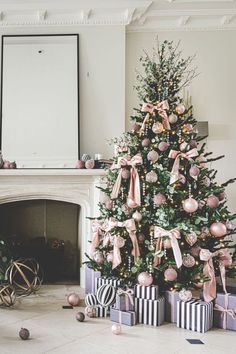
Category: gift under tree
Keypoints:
(164, 219)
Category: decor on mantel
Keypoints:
(6, 164)
(87, 162)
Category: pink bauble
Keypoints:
(73, 299)
(159, 199)
(190, 205)
(182, 179)
(194, 171)
(109, 204)
(152, 156)
(12, 165)
(218, 229)
(189, 261)
(184, 146)
(125, 173)
(172, 118)
(230, 226)
(193, 144)
(116, 329)
(141, 237)
(206, 181)
(157, 128)
(201, 204)
(6, 164)
(131, 204)
(221, 196)
(212, 201)
(137, 216)
(170, 274)
(167, 243)
(110, 257)
(145, 279)
(180, 108)
(89, 164)
(120, 242)
(151, 177)
(80, 164)
(136, 127)
(195, 251)
(98, 257)
(146, 142)
(163, 146)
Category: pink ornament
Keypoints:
(182, 179)
(193, 144)
(73, 299)
(80, 164)
(125, 173)
(188, 261)
(195, 251)
(98, 257)
(116, 329)
(145, 279)
(206, 181)
(180, 108)
(218, 229)
(170, 274)
(6, 164)
(152, 156)
(136, 127)
(213, 201)
(146, 142)
(157, 128)
(188, 128)
(221, 196)
(109, 204)
(89, 164)
(120, 241)
(141, 237)
(191, 238)
(172, 118)
(194, 172)
(190, 205)
(137, 216)
(110, 257)
(163, 146)
(151, 177)
(230, 226)
(159, 199)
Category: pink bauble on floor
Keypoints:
(116, 328)
(213, 201)
(218, 229)
(145, 279)
(170, 274)
(190, 205)
(73, 299)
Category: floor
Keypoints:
(55, 330)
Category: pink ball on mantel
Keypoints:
(80, 164)
(180, 108)
(218, 229)
(213, 201)
(190, 205)
(163, 146)
(89, 164)
(6, 164)
(12, 165)
(170, 274)
(125, 173)
(159, 199)
(194, 171)
(145, 279)
(146, 142)
(73, 299)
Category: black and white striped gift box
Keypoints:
(196, 315)
(116, 282)
(150, 312)
(102, 311)
(146, 292)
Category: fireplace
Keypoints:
(45, 190)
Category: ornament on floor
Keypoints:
(7, 295)
(191, 238)
(145, 279)
(180, 108)
(106, 295)
(98, 257)
(73, 299)
(146, 142)
(153, 156)
(80, 164)
(212, 201)
(218, 229)
(185, 295)
(80, 316)
(24, 334)
(6, 164)
(85, 157)
(91, 311)
(151, 177)
(25, 276)
(116, 328)
(159, 199)
(137, 216)
(163, 146)
(170, 274)
(89, 164)
(172, 118)
(91, 300)
(190, 205)
(189, 261)
(157, 128)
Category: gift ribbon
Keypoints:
(161, 108)
(225, 258)
(173, 235)
(97, 233)
(134, 196)
(224, 311)
(131, 229)
(128, 297)
(174, 154)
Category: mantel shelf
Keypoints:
(52, 172)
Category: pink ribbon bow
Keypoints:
(173, 235)
(225, 259)
(174, 154)
(225, 311)
(134, 196)
(97, 234)
(161, 108)
(129, 294)
(131, 229)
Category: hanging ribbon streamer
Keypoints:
(174, 154)
(161, 108)
(97, 234)
(173, 235)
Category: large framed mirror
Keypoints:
(40, 100)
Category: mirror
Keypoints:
(40, 100)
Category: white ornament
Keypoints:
(185, 295)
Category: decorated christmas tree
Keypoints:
(164, 216)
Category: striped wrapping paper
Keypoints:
(146, 292)
(116, 282)
(150, 312)
(195, 315)
(102, 311)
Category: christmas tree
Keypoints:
(164, 215)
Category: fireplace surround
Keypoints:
(68, 185)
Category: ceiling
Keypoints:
(137, 15)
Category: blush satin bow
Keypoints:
(173, 235)
(161, 108)
(174, 154)
(225, 259)
(129, 295)
(97, 234)
(134, 196)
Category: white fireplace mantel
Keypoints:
(68, 185)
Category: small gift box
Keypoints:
(146, 292)
(124, 317)
(116, 282)
(171, 298)
(225, 311)
(150, 312)
(90, 277)
(102, 311)
(195, 315)
(124, 300)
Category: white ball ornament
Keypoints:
(157, 128)
(137, 216)
(188, 261)
(116, 328)
(190, 205)
(172, 118)
(145, 279)
(159, 199)
(185, 295)
(152, 156)
(180, 108)
(151, 177)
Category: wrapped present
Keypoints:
(90, 277)
(116, 282)
(124, 300)
(150, 312)
(124, 317)
(102, 311)
(195, 315)
(146, 292)
(171, 298)
(225, 311)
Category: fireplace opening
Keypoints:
(46, 230)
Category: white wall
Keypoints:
(213, 91)
(102, 82)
